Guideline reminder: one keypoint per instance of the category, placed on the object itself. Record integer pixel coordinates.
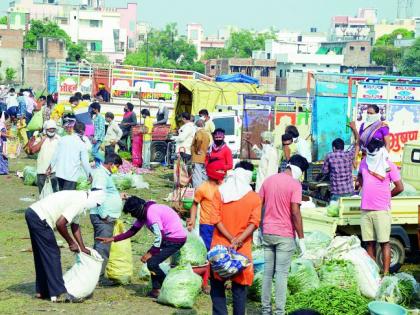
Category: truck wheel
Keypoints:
(158, 151)
(397, 254)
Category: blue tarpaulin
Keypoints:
(238, 78)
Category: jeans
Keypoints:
(199, 174)
(146, 154)
(167, 249)
(40, 182)
(95, 153)
(278, 252)
(218, 297)
(66, 184)
(102, 228)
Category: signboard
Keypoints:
(68, 84)
(404, 93)
(372, 91)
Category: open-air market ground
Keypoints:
(17, 268)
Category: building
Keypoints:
(11, 45)
(417, 19)
(359, 27)
(355, 53)
(128, 21)
(195, 36)
(263, 70)
(385, 27)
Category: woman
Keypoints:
(4, 163)
(129, 120)
(167, 228)
(238, 217)
(269, 158)
(374, 128)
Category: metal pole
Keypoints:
(147, 49)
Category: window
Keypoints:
(415, 156)
(297, 70)
(194, 34)
(299, 38)
(327, 66)
(94, 23)
(226, 123)
(74, 17)
(268, 55)
(64, 21)
(281, 73)
(303, 65)
(265, 72)
(363, 48)
(212, 67)
(130, 43)
(351, 47)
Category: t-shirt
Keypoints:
(279, 191)
(376, 193)
(46, 154)
(148, 123)
(67, 203)
(205, 196)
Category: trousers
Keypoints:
(218, 297)
(102, 228)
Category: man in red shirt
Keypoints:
(220, 151)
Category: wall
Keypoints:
(128, 21)
(11, 44)
(357, 53)
(34, 70)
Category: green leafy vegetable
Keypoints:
(338, 273)
(29, 176)
(302, 276)
(193, 252)
(122, 182)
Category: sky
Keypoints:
(253, 14)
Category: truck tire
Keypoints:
(158, 151)
(397, 254)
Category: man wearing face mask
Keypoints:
(373, 128)
(129, 120)
(282, 196)
(103, 218)
(208, 123)
(220, 151)
(45, 147)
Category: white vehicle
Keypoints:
(232, 124)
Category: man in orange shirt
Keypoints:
(237, 218)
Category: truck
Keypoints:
(405, 210)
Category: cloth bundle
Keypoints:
(226, 262)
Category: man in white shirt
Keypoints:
(113, 134)
(185, 137)
(56, 211)
(303, 146)
(46, 147)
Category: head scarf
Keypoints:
(50, 124)
(236, 185)
(377, 163)
(216, 170)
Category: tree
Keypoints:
(3, 20)
(216, 53)
(388, 56)
(99, 59)
(388, 39)
(40, 29)
(410, 63)
(10, 74)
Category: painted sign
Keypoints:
(68, 85)
(404, 93)
(372, 91)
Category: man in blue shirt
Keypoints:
(99, 135)
(103, 218)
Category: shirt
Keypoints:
(222, 153)
(11, 100)
(99, 123)
(46, 154)
(376, 193)
(46, 113)
(148, 123)
(209, 126)
(113, 133)
(112, 205)
(185, 138)
(279, 191)
(67, 203)
(200, 146)
(205, 196)
(71, 154)
(339, 165)
(269, 163)
(304, 149)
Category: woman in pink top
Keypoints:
(169, 233)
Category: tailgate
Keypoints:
(316, 219)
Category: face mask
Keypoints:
(295, 140)
(50, 134)
(218, 142)
(114, 169)
(296, 171)
(202, 118)
(373, 117)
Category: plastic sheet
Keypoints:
(193, 252)
(302, 276)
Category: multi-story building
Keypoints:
(359, 27)
(385, 27)
(128, 21)
(195, 35)
(262, 69)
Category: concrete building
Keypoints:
(11, 45)
(359, 27)
(385, 27)
(355, 53)
(128, 21)
(417, 19)
(202, 43)
(263, 70)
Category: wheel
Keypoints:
(158, 151)
(397, 254)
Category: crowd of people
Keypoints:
(229, 208)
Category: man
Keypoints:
(11, 100)
(163, 113)
(103, 218)
(282, 196)
(99, 134)
(45, 147)
(220, 151)
(376, 173)
(103, 94)
(45, 103)
(236, 219)
(339, 164)
(56, 211)
(113, 134)
(71, 152)
(209, 124)
(303, 147)
(185, 137)
(147, 137)
(199, 149)
(128, 122)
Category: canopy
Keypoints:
(194, 95)
(238, 78)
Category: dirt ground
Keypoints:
(17, 269)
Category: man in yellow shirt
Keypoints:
(147, 137)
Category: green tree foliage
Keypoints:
(3, 20)
(98, 59)
(10, 74)
(410, 63)
(50, 29)
(215, 53)
(166, 49)
(388, 39)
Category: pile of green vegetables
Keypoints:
(122, 181)
(193, 252)
(400, 288)
(29, 176)
(329, 301)
(338, 273)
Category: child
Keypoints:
(169, 233)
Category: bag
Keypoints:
(182, 177)
(302, 276)
(316, 246)
(194, 252)
(47, 189)
(81, 279)
(338, 273)
(144, 273)
(401, 289)
(226, 262)
(180, 287)
(120, 263)
(179, 195)
(36, 122)
(29, 176)
(138, 182)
